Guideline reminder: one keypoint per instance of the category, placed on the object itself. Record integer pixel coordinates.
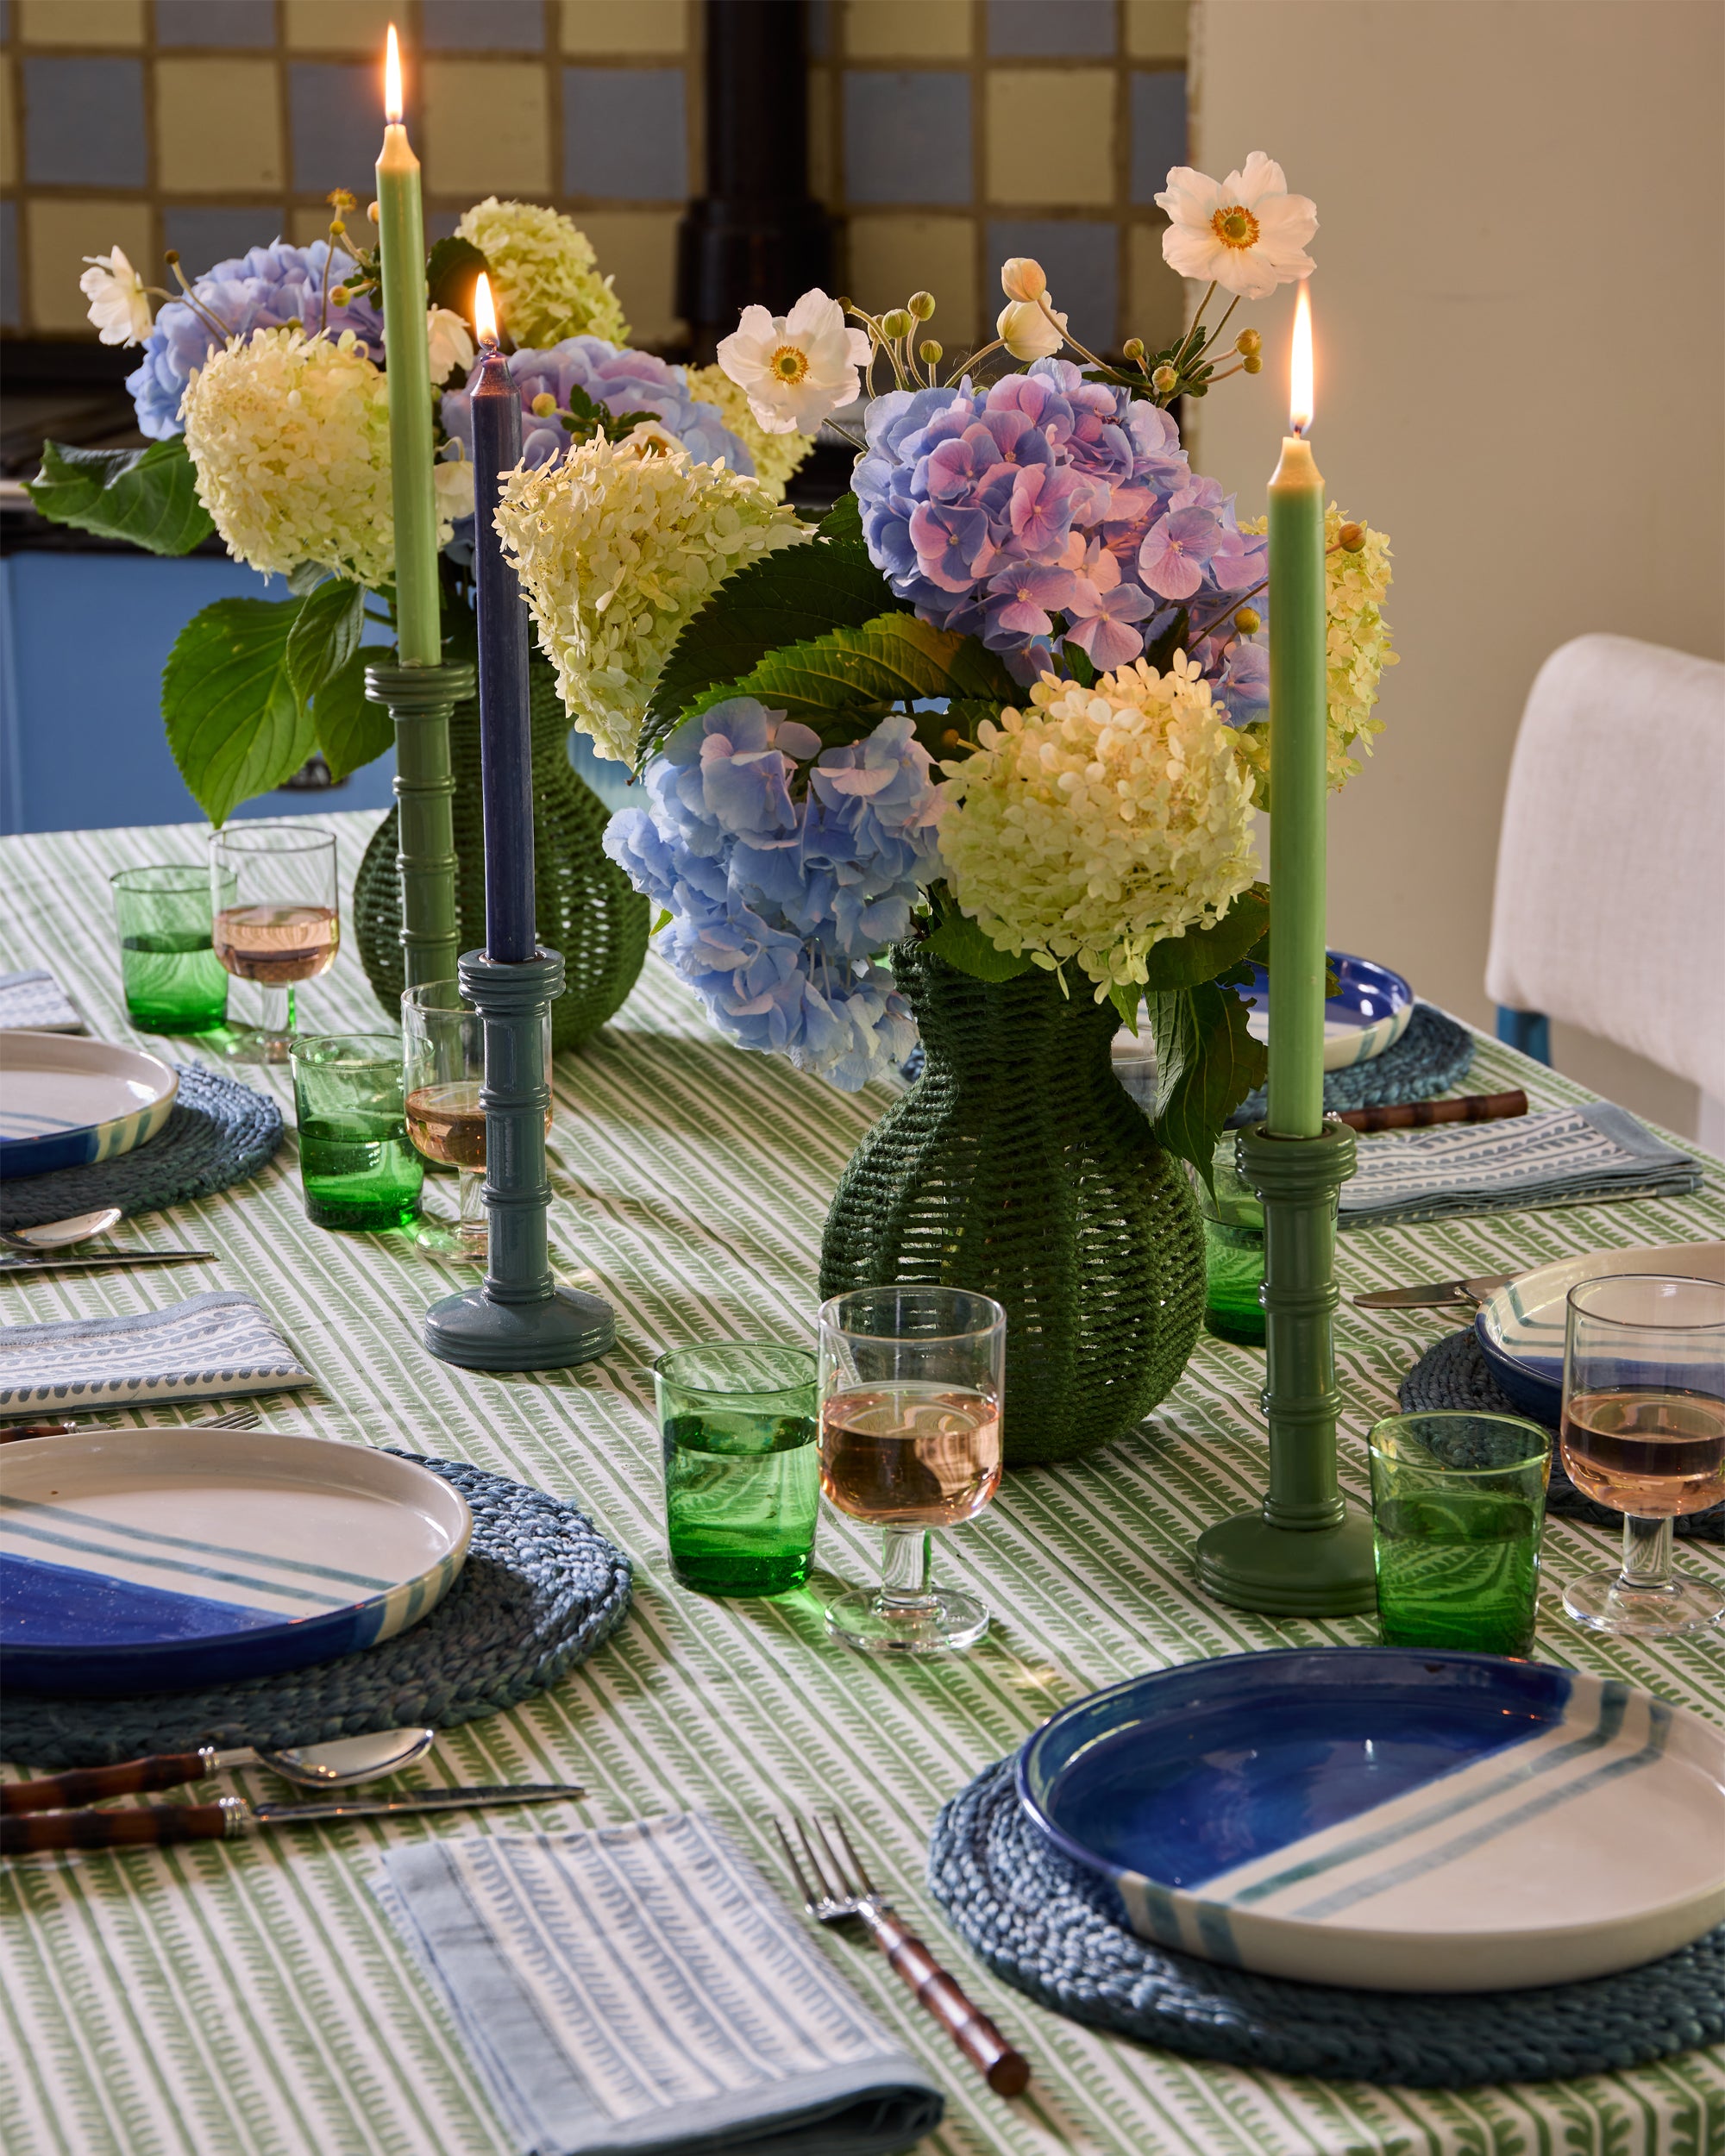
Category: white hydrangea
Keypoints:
(776, 455)
(1100, 821)
(617, 546)
(290, 435)
(544, 274)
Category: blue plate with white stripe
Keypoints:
(1391, 1820)
(65, 1102)
(139, 1560)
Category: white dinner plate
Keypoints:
(65, 1101)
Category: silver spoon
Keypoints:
(336, 1766)
(59, 1235)
(344, 1760)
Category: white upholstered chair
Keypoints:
(1609, 911)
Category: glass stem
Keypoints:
(471, 1183)
(1646, 1554)
(905, 1561)
(275, 1008)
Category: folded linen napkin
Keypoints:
(205, 1346)
(641, 1988)
(1561, 1156)
(35, 1002)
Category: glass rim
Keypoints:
(197, 870)
(309, 834)
(828, 1321)
(464, 1008)
(1406, 1415)
(738, 1392)
(1645, 1325)
(304, 1044)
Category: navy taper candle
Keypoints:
(506, 734)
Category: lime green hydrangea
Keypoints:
(616, 546)
(1100, 821)
(544, 274)
(776, 455)
(290, 435)
(1356, 578)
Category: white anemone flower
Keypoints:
(1022, 278)
(450, 342)
(1246, 234)
(119, 305)
(797, 368)
(1026, 331)
(452, 480)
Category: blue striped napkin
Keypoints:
(642, 1989)
(218, 1343)
(35, 1003)
(1561, 1156)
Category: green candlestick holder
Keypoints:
(420, 700)
(1302, 1552)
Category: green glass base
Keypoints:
(478, 1334)
(1290, 1572)
(1244, 1328)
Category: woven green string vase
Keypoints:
(586, 907)
(1018, 1165)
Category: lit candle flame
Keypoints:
(392, 79)
(485, 314)
(1299, 369)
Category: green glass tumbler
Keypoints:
(742, 1466)
(357, 1165)
(174, 983)
(1458, 1505)
(1233, 1250)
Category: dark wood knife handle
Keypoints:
(1406, 1115)
(88, 1785)
(149, 1825)
(1006, 2071)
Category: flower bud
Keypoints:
(372, 212)
(1027, 333)
(1248, 344)
(1251, 364)
(171, 257)
(544, 404)
(929, 353)
(1164, 378)
(921, 305)
(1248, 620)
(845, 306)
(898, 323)
(1022, 278)
(339, 295)
(336, 227)
(1350, 538)
(1133, 349)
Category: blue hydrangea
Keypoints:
(787, 868)
(264, 290)
(621, 379)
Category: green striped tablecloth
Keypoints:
(251, 1997)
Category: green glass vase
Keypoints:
(587, 909)
(1018, 1165)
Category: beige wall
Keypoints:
(1511, 193)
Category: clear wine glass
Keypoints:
(911, 1380)
(443, 1049)
(275, 922)
(1644, 1432)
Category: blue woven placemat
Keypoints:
(1455, 1373)
(541, 1588)
(219, 1132)
(1032, 1918)
(1434, 1053)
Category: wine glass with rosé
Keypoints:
(911, 1380)
(444, 1045)
(1644, 1432)
(275, 922)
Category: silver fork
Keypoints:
(235, 1418)
(841, 1895)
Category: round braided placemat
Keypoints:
(218, 1133)
(541, 1588)
(1455, 1373)
(1434, 1053)
(1034, 1920)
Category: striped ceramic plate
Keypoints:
(1392, 1820)
(65, 1102)
(131, 1559)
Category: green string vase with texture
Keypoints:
(587, 908)
(1018, 1165)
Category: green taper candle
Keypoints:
(1299, 699)
(401, 232)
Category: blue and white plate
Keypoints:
(65, 1102)
(1368, 1013)
(1391, 1820)
(1521, 1328)
(137, 1560)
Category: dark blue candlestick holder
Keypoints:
(520, 1319)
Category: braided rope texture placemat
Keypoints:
(1434, 1053)
(219, 1134)
(1456, 1374)
(1033, 1919)
(540, 1589)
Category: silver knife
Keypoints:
(1435, 1294)
(153, 1826)
(48, 1262)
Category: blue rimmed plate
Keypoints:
(137, 1560)
(1521, 1328)
(1368, 1013)
(1391, 1820)
(65, 1101)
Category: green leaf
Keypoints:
(843, 520)
(351, 729)
(893, 659)
(452, 269)
(961, 942)
(305, 579)
(235, 726)
(1127, 996)
(1172, 639)
(1207, 1062)
(1183, 962)
(585, 419)
(324, 636)
(147, 495)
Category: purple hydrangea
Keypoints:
(621, 379)
(264, 290)
(787, 868)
